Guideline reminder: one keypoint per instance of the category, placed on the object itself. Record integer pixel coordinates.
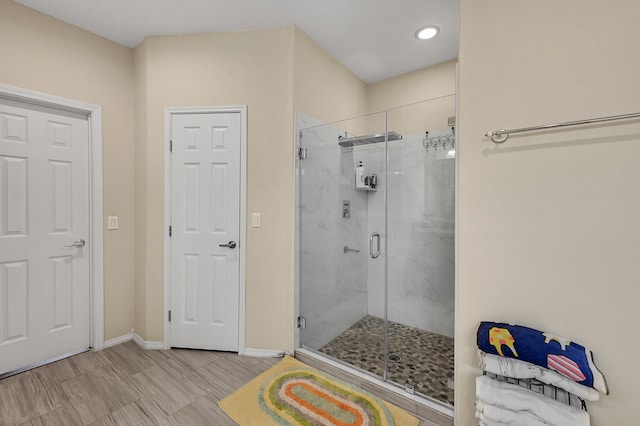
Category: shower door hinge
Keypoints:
(302, 322)
(169, 315)
(170, 146)
(169, 230)
(302, 153)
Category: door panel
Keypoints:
(44, 206)
(14, 285)
(205, 191)
(13, 196)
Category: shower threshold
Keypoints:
(419, 363)
(433, 410)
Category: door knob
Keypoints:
(231, 245)
(77, 243)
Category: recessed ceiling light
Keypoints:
(427, 32)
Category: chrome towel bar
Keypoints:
(501, 135)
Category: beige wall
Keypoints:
(427, 83)
(418, 101)
(548, 222)
(252, 68)
(141, 182)
(322, 87)
(47, 55)
(326, 90)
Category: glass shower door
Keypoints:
(420, 265)
(341, 240)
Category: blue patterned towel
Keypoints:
(544, 349)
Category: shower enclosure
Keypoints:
(376, 244)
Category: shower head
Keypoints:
(368, 139)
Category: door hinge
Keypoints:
(170, 230)
(170, 146)
(301, 322)
(169, 316)
(302, 153)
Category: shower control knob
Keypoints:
(231, 245)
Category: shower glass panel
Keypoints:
(342, 229)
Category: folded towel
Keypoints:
(518, 399)
(511, 367)
(544, 349)
(498, 416)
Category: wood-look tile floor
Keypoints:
(126, 385)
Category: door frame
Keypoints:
(95, 244)
(242, 243)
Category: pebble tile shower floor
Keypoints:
(418, 357)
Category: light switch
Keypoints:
(112, 222)
(256, 220)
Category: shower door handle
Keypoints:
(374, 254)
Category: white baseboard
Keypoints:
(136, 338)
(151, 345)
(263, 353)
(118, 340)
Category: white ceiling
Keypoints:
(373, 38)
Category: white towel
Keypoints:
(520, 401)
(498, 416)
(511, 367)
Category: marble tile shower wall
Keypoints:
(337, 289)
(333, 287)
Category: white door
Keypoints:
(205, 220)
(44, 208)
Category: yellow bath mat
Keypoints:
(291, 393)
